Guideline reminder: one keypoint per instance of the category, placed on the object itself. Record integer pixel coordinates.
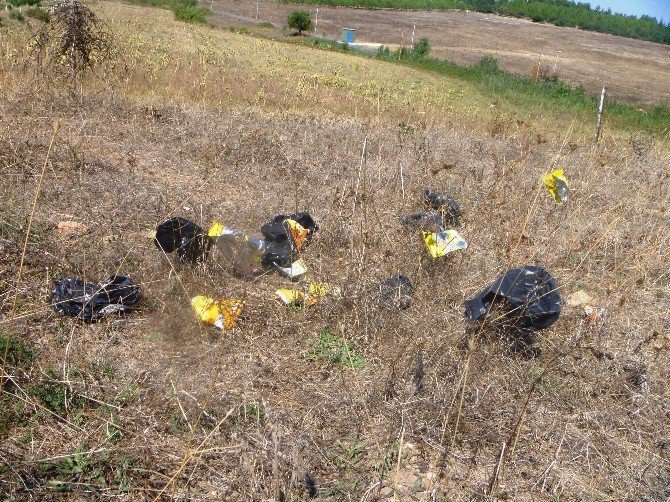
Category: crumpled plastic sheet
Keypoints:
(241, 253)
(442, 243)
(528, 296)
(91, 302)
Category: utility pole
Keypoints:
(413, 30)
(601, 106)
(256, 11)
(316, 19)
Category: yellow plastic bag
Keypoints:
(442, 243)
(220, 313)
(557, 185)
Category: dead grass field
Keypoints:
(635, 71)
(203, 123)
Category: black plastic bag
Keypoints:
(91, 302)
(451, 211)
(396, 291)
(528, 297)
(184, 236)
(277, 230)
(281, 247)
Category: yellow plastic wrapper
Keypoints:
(442, 243)
(557, 185)
(298, 231)
(290, 296)
(216, 229)
(220, 313)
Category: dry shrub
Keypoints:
(74, 41)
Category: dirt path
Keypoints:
(634, 70)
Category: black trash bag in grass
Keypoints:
(525, 298)
(91, 302)
(285, 235)
(450, 209)
(188, 239)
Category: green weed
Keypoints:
(19, 352)
(332, 350)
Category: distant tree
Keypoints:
(300, 20)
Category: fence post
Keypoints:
(601, 106)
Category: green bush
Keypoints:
(15, 14)
(421, 49)
(39, 14)
(300, 20)
(488, 65)
(189, 13)
(383, 52)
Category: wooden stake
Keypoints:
(601, 106)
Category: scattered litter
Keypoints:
(220, 313)
(297, 269)
(248, 256)
(290, 297)
(594, 315)
(579, 298)
(442, 243)
(91, 302)
(585, 301)
(451, 211)
(397, 291)
(557, 185)
(71, 227)
(528, 297)
(184, 236)
(239, 252)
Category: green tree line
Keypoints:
(559, 12)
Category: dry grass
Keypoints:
(156, 406)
